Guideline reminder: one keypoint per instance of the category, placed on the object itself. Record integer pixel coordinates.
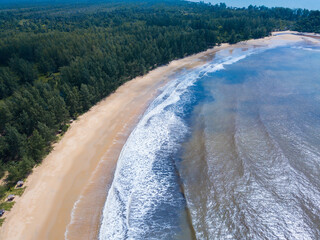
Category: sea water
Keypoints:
(230, 150)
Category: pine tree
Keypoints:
(36, 146)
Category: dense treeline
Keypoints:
(309, 22)
(57, 61)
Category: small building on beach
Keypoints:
(10, 197)
(20, 184)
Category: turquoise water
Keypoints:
(229, 150)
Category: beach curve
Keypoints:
(82, 163)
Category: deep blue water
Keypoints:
(308, 4)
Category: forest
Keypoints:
(58, 60)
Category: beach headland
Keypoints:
(66, 193)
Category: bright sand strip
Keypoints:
(81, 166)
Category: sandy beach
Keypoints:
(66, 193)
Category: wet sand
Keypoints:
(73, 178)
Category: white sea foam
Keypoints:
(66, 234)
(307, 48)
(140, 184)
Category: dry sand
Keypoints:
(68, 190)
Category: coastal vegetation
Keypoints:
(56, 61)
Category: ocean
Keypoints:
(304, 4)
(229, 150)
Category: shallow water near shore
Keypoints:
(229, 150)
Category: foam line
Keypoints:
(144, 182)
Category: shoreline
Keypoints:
(82, 163)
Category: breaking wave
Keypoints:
(145, 200)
